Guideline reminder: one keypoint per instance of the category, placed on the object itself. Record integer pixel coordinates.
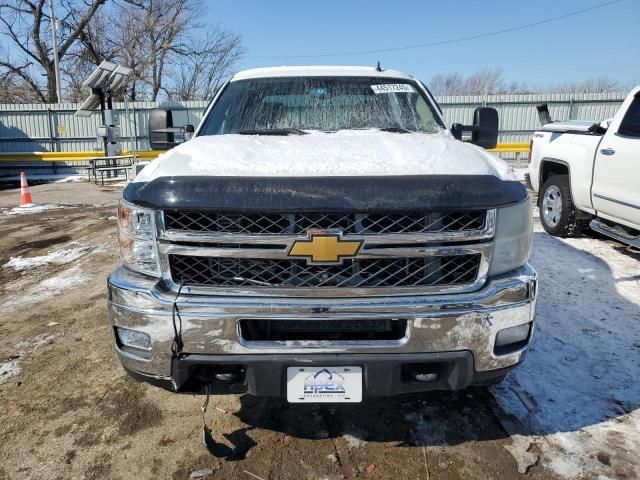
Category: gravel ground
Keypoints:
(69, 410)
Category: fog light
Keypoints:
(426, 377)
(423, 372)
(134, 338)
(227, 377)
(512, 335)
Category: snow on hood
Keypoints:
(343, 153)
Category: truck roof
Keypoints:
(319, 71)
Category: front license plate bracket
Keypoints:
(330, 384)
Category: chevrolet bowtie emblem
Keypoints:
(323, 247)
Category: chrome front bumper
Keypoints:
(464, 322)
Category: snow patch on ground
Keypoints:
(35, 342)
(33, 208)
(577, 393)
(354, 441)
(57, 257)
(520, 449)
(9, 369)
(48, 288)
(64, 280)
(13, 366)
(113, 183)
(53, 178)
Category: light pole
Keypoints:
(56, 66)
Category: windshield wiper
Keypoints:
(273, 131)
(395, 130)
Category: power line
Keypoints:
(446, 42)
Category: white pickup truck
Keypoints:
(323, 237)
(589, 173)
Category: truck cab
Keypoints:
(324, 237)
(586, 173)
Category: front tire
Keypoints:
(557, 211)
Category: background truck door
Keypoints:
(616, 175)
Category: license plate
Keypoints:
(324, 384)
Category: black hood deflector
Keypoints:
(338, 194)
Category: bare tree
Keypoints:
(592, 85)
(447, 84)
(201, 72)
(153, 32)
(518, 88)
(14, 89)
(26, 26)
(96, 43)
(488, 81)
(170, 52)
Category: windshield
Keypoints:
(298, 104)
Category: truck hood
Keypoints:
(569, 126)
(318, 154)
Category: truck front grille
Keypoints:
(299, 223)
(191, 270)
(256, 330)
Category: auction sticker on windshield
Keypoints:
(392, 88)
(324, 384)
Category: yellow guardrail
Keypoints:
(69, 156)
(513, 147)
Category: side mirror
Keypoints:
(456, 130)
(484, 131)
(161, 131)
(188, 131)
(485, 127)
(163, 135)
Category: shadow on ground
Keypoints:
(581, 370)
(434, 418)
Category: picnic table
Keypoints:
(109, 165)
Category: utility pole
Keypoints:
(56, 66)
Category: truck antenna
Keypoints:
(378, 68)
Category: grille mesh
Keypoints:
(307, 329)
(357, 273)
(299, 223)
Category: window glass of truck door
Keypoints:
(325, 104)
(630, 125)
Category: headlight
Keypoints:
(514, 231)
(136, 238)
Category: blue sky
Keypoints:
(596, 43)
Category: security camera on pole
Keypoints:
(106, 78)
(102, 82)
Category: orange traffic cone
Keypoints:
(25, 196)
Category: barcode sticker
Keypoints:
(393, 88)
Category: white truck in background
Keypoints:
(588, 173)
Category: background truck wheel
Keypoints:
(557, 212)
